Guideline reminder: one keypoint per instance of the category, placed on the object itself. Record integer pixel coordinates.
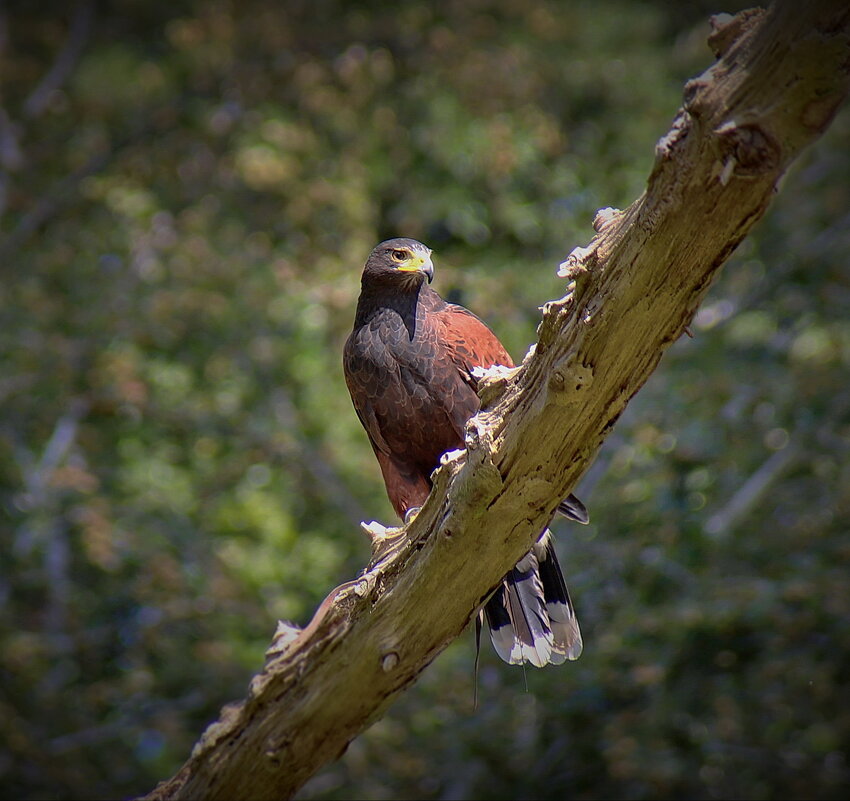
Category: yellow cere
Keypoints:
(414, 263)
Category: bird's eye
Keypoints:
(400, 255)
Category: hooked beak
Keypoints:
(427, 268)
(419, 264)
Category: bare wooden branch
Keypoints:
(756, 488)
(49, 204)
(780, 77)
(78, 34)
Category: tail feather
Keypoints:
(530, 616)
(573, 509)
(566, 635)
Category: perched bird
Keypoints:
(409, 365)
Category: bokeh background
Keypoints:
(188, 192)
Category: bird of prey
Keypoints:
(410, 366)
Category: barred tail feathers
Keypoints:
(531, 616)
(573, 509)
(566, 634)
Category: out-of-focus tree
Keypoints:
(188, 193)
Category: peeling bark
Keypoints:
(781, 75)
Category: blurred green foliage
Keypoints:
(187, 199)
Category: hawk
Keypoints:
(409, 365)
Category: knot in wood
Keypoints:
(389, 661)
(693, 103)
(726, 29)
(569, 377)
(722, 33)
(577, 263)
(605, 219)
(275, 746)
(493, 382)
(557, 381)
(553, 310)
(477, 436)
(749, 148)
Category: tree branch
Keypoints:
(50, 203)
(778, 81)
(751, 493)
(78, 33)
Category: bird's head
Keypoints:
(404, 262)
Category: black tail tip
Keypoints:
(573, 509)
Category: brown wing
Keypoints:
(414, 394)
(469, 343)
(405, 390)
(375, 384)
